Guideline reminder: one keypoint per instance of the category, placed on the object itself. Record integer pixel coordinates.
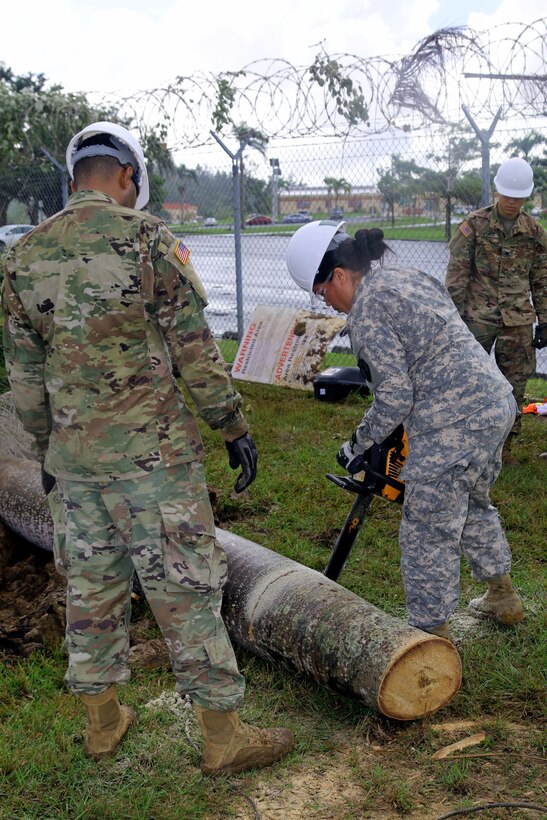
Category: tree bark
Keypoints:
(285, 612)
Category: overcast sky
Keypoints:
(111, 45)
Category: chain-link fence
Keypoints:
(416, 187)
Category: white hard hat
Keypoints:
(307, 248)
(124, 147)
(515, 178)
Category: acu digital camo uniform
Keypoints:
(99, 309)
(499, 284)
(427, 372)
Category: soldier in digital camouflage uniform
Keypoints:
(101, 305)
(427, 373)
(497, 277)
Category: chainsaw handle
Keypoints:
(364, 487)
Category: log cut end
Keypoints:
(422, 678)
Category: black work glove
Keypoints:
(540, 336)
(48, 481)
(351, 456)
(242, 453)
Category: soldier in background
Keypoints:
(101, 305)
(497, 277)
(428, 373)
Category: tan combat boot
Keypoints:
(501, 602)
(107, 723)
(233, 746)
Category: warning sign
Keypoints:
(285, 346)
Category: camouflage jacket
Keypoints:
(99, 310)
(424, 367)
(491, 276)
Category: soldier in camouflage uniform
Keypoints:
(497, 277)
(428, 373)
(102, 304)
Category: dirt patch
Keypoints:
(380, 770)
(32, 598)
(361, 779)
(33, 605)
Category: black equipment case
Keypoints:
(335, 383)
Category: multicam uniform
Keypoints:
(491, 277)
(101, 304)
(427, 372)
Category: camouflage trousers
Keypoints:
(447, 511)
(162, 527)
(514, 356)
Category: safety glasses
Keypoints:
(320, 294)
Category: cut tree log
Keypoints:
(23, 506)
(285, 612)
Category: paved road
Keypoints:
(266, 280)
(265, 276)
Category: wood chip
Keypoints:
(454, 725)
(472, 740)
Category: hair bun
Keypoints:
(376, 243)
(371, 242)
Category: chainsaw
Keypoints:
(380, 476)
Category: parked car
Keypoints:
(209, 222)
(336, 213)
(259, 219)
(11, 233)
(297, 219)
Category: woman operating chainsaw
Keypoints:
(427, 372)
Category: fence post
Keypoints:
(236, 200)
(276, 172)
(64, 174)
(485, 152)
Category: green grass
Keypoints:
(424, 227)
(293, 509)
(419, 227)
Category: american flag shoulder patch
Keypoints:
(465, 228)
(182, 252)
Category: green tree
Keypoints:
(336, 186)
(402, 183)
(36, 120)
(184, 175)
(449, 179)
(526, 147)
(247, 137)
(159, 163)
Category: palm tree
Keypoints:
(525, 145)
(337, 186)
